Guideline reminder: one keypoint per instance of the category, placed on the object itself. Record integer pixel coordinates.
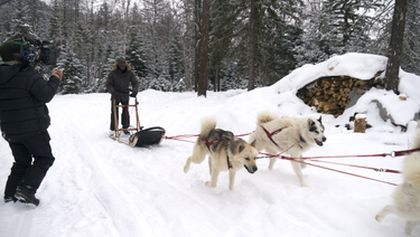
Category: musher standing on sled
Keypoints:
(118, 83)
(24, 119)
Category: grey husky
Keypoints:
(226, 153)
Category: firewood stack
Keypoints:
(331, 95)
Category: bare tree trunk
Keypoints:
(126, 6)
(203, 81)
(189, 42)
(217, 79)
(197, 37)
(252, 44)
(396, 46)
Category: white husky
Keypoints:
(291, 135)
(406, 196)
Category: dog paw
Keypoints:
(187, 166)
(208, 184)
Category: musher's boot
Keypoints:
(26, 194)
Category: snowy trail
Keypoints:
(98, 187)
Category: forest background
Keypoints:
(251, 43)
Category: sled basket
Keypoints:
(147, 137)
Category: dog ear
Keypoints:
(241, 148)
(320, 119)
(311, 123)
(255, 140)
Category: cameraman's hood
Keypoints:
(7, 72)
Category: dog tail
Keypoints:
(207, 125)
(411, 167)
(265, 117)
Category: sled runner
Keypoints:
(141, 137)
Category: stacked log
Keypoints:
(360, 123)
(331, 95)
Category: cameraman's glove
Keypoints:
(133, 94)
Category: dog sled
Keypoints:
(136, 136)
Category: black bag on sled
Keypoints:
(147, 137)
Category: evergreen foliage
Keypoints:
(72, 83)
(157, 38)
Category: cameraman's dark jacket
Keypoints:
(118, 83)
(23, 94)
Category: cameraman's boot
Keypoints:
(9, 199)
(26, 194)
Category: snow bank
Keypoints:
(360, 66)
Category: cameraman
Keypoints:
(24, 118)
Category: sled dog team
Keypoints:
(293, 136)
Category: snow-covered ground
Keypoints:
(99, 187)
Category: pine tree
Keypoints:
(269, 38)
(223, 22)
(136, 53)
(176, 68)
(337, 27)
(73, 72)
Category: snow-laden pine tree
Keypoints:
(73, 71)
(136, 52)
(224, 20)
(267, 36)
(336, 27)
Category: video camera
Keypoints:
(47, 53)
(39, 51)
(31, 50)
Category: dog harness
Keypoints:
(229, 164)
(209, 143)
(270, 135)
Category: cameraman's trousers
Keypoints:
(33, 158)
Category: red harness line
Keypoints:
(180, 137)
(348, 173)
(391, 154)
(359, 166)
(336, 170)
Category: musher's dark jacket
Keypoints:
(118, 83)
(23, 95)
